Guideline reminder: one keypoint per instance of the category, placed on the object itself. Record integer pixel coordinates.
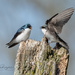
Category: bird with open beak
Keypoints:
(54, 25)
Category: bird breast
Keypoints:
(44, 31)
(50, 36)
(24, 35)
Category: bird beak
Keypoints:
(30, 28)
(42, 27)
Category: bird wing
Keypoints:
(10, 44)
(19, 31)
(59, 20)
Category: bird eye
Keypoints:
(42, 27)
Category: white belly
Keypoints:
(23, 36)
(50, 37)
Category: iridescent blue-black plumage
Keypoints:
(24, 27)
(19, 31)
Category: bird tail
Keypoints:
(63, 43)
(11, 44)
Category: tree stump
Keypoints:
(38, 58)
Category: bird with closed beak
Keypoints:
(54, 25)
(22, 34)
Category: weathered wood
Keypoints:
(38, 58)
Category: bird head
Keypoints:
(28, 26)
(44, 28)
(24, 27)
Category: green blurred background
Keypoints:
(15, 13)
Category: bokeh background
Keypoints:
(15, 13)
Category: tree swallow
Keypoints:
(22, 34)
(54, 26)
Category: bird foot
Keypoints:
(58, 46)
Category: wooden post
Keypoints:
(38, 58)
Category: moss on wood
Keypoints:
(38, 58)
